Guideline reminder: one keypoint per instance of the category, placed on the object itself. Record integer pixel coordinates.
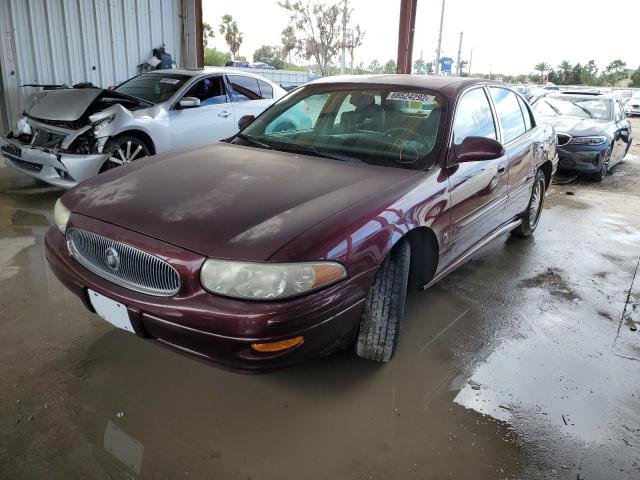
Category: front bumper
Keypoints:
(582, 158)
(60, 169)
(213, 328)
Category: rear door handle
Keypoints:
(224, 113)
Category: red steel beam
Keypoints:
(405, 35)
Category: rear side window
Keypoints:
(526, 113)
(266, 90)
(473, 117)
(244, 88)
(509, 112)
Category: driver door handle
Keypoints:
(224, 113)
(502, 167)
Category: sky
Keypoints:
(507, 36)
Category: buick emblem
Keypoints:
(112, 258)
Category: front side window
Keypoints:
(381, 126)
(509, 113)
(244, 88)
(210, 91)
(154, 87)
(473, 117)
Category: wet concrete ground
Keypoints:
(523, 364)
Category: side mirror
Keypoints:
(245, 120)
(624, 135)
(189, 102)
(474, 149)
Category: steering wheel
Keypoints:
(406, 153)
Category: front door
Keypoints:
(478, 190)
(209, 122)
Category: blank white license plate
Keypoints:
(113, 312)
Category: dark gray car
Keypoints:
(593, 131)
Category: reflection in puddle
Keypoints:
(123, 446)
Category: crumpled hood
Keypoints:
(575, 126)
(68, 104)
(229, 201)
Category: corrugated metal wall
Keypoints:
(72, 41)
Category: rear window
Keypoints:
(244, 88)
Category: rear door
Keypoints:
(519, 140)
(622, 125)
(211, 121)
(478, 190)
(250, 95)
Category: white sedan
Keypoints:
(69, 135)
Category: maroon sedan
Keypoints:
(288, 243)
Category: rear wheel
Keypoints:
(384, 307)
(124, 149)
(531, 215)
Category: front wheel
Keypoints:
(384, 306)
(122, 150)
(531, 215)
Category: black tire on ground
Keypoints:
(531, 216)
(604, 168)
(124, 149)
(384, 307)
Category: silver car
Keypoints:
(69, 135)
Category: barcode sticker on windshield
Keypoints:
(410, 96)
(172, 81)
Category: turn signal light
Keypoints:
(277, 346)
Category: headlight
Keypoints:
(268, 281)
(598, 140)
(61, 216)
(99, 125)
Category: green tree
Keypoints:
(317, 30)
(390, 67)
(207, 33)
(375, 67)
(575, 76)
(354, 39)
(542, 67)
(589, 74)
(214, 57)
(564, 70)
(614, 72)
(271, 55)
(635, 79)
(289, 42)
(233, 36)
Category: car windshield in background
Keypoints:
(387, 127)
(597, 108)
(154, 87)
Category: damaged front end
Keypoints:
(52, 143)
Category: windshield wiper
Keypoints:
(585, 110)
(553, 108)
(254, 141)
(316, 152)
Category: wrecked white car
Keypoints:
(69, 135)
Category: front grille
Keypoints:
(563, 139)
(46, 138)
(32, 167)
(134, 269)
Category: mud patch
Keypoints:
(552, 281)
(605, 315)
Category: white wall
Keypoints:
(72, 41)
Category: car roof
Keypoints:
(447, 85)
(193, 72)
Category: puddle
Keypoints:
(552, 281)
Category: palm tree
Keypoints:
(565, 68)
(233, 37)
(542, 67)
(207, 33)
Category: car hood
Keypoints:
(577, 126)
(67, 104)
(229, 201)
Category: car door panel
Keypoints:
(521, 160)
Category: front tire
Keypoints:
(531, 215)
(384, 307)
(124, 149)
(604, 168)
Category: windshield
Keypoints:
(154, 87)
(387, 126)
(582, 107)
